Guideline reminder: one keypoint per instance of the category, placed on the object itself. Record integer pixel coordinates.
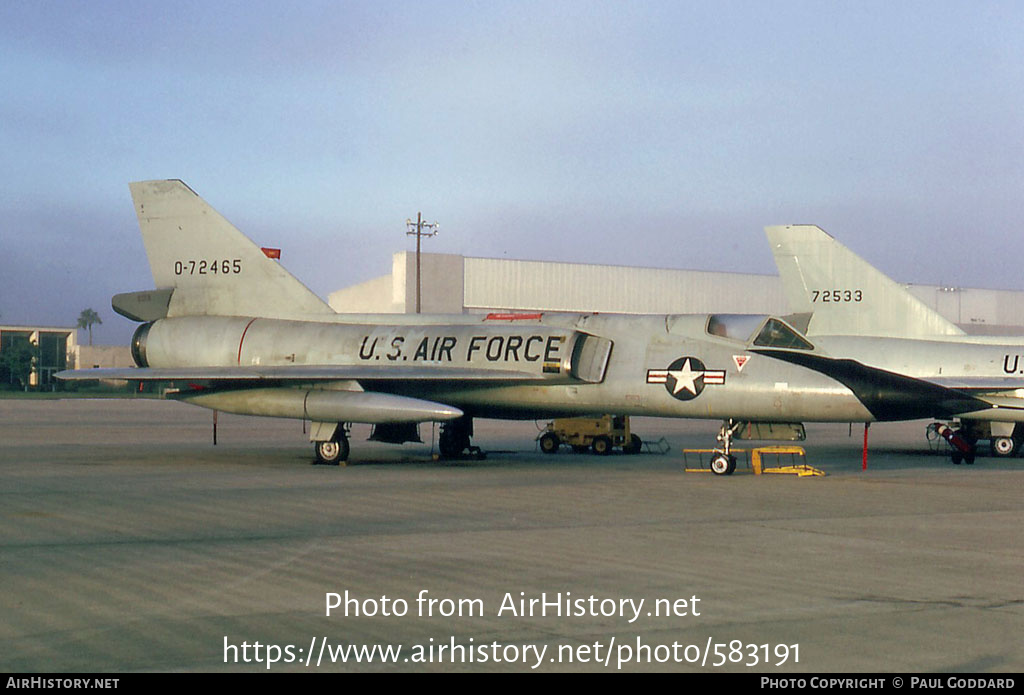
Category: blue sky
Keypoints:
(663, 134)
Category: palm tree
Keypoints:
(86, 319)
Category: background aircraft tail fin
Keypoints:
(212, 267)
(846, 295)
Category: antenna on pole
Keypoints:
(416, 229)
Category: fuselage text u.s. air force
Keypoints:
(450, 348)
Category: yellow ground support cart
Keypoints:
(599, 435)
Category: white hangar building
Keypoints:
(462, 284)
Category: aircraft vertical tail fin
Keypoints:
(845, 294)
(212, 267)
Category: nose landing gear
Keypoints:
(723, 462)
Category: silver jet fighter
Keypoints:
(890, 348)
(246, 337)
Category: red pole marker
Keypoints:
(864, 455)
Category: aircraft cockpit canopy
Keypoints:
(761, 330)
(778, 335)
(734, 326)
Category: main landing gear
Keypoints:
(723, 462)
(453, 443)
(333, 451)
(1004, 446)
(454, 439)
(1006, 437)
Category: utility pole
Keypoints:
(416, 229)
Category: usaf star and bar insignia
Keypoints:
(686, 378)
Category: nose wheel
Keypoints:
(723, 462)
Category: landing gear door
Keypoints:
(590, 358)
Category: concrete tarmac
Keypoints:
(129, 543)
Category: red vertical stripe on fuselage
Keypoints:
(242, 340)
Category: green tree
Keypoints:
(86, 320)
(16, 359)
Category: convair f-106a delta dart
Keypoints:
(249, 338)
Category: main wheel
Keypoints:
(1003, 446)
(723, 465)
(602, 446)
(549, 443)
(452, 444)
(455, 437)
(333, 451)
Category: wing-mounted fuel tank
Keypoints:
(548, 352)
(321, 404)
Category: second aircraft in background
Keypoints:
(877, 326)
